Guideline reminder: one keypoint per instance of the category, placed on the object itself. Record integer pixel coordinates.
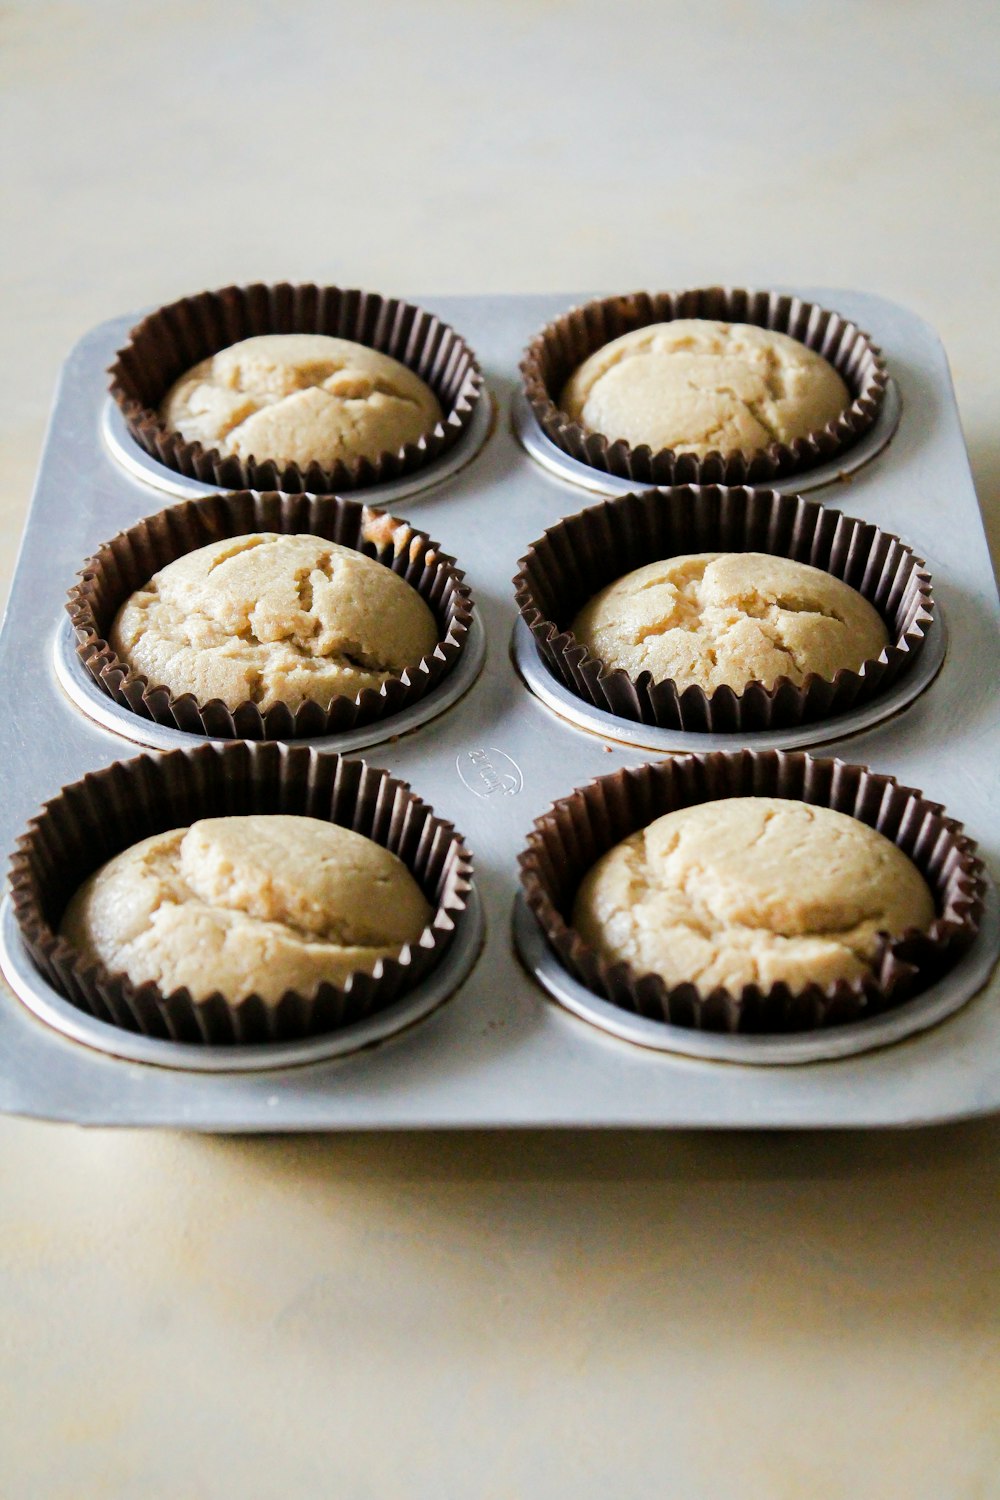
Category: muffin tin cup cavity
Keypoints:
(826, 1044)
(571, 471)
(568, 839)
(138, 464)
(89, 822)
(564, 344)
(170, 341)
(90, 698)
(561, 700)
(104, 1036)
(581, 554)
(129, 560)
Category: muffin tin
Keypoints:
(499, 1052)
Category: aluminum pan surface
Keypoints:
(500, 1052)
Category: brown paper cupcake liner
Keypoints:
(173, 339)
(563, 345)
(129, 560)
(108, 811)
(583, 553)
(569, 838)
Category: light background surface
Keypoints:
(497, 1316)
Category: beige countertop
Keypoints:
(754, 1316)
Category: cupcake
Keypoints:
(700, 386)
(269, 616)
(300, 398)
(716, 385)
(712, 620)
(297, 388)
(273, 619)
(237, 893)
(723, 610)
(246, 905)
(752, 891)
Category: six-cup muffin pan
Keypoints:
(500, 1033)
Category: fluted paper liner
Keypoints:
(563, 345)
(129, 560)
(110, 810)
(568, 839)
(583, 553)
(172, 340)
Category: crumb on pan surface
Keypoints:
(298, 398)
(751, 890)
(714, 619)
(242, 905)
(699, 386)
(272, 618)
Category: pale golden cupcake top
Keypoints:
(751, 890)
(245, 905)
(714, 619)
(301, 398)
(273, 619)
(697, 386)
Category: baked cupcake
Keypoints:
(751, 890)
(304, 389)
(715, 385)
(247, 905)
(269, 616)
(237, 893)
(273, 619)
(300, 398)
(763, 892)
(723, 610)
(712, 620)
(699, 386)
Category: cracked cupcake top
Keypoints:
(273, 619)
(751, 890)
(714, 619)
(245, 905)
(301, 398)
(697, 386)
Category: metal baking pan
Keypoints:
(501, 1051)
